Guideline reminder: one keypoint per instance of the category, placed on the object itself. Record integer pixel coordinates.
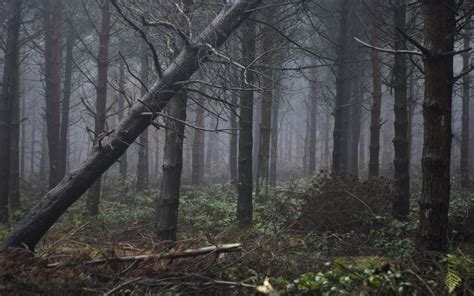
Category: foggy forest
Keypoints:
(236, 147)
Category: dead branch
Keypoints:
(227, 248)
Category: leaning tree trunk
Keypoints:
(66, 101)
(375, 122)
(31, 228)
(142, 165)
(9, 91)
(401, 204)
(245, 186)
(439, 30)
(168, 202)
(93, 198)
(267, 100)
(466, 85)
(53, 26)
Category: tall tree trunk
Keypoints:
(15, 142)
(245, 186)
(23, 125)
(466, 85)
(267, 101)
(233, 165)
(274, 141)
(142, 166)
(32, 227)
(356, 125)
(211, 147)
(439, 29)
(9, 92)
(93, 198)
(53, 12)
(168, 202)
(375, 120)
(198, 149)
(313, 110)
(401, 204)
(341, 116)
(123, 166)
(66, 101)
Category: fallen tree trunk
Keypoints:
(228, 248)
(34, 225)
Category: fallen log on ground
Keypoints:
(227, 248)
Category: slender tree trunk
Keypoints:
(356, 126)
(142, 166)
(274, 141)
(15, 142)
(245, 186)
(267, 101)
(341, 117)
(198, 149)
(375, 120)
(32, 227)
(233, 143)
(439, 29)
(466, 85)
(211, 147)
(23, 125)
(9, 92)
(123, 166)
(53, 13)
(401, 204)
(168, 202)
(66, 101)
(313, 110)
(93, 198)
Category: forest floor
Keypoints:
(299, 244)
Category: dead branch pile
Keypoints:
(342, 203)
(194, 269)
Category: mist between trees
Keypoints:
(153, 98)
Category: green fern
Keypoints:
(452, 279)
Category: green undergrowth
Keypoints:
(374, 258)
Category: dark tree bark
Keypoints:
(466, 85)
(312, 128)
(198, 149)
(31, 228)
(53, 21)
(211, 149)
(356, 126)
(274, 141)
(341, 112)
(15, 143)
(375, 121)
(142, 165)
(123, 166)
(245, 186)
(93, 197)
(9, 91)
(439, 30)
(168, 202)
(233, 165)
(401, 204)
(267, 101)
(66, 101)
